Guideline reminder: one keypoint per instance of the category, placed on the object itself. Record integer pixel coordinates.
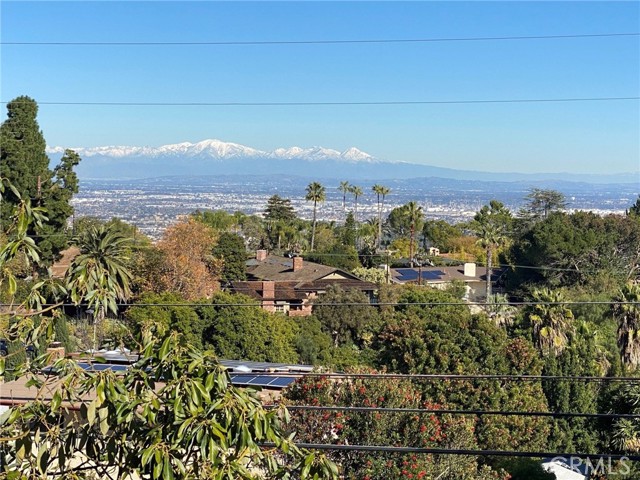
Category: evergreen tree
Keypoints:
(348, 236)
(635, 208)
(279, 208)
(541, 202)
(231, 250)
(24, 162)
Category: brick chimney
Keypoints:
(269, 296)
(297, 263)
(261, 255)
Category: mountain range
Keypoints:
(215, 157)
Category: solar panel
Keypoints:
(261, 380)
(411, 274)
(283, 381)
(101, 367)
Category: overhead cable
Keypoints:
(434, 411)
(334, 103)
(324, 42)
(450, 451)
(348, 304)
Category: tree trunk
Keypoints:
(313, 230)
(411, 246)
(356, 220)
(489, 266)
(379, 223)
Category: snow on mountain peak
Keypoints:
(217, 149)
(355, 155)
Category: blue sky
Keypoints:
(589, 137)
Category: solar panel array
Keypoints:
(410, 274)
(237, 379)
(266, 381)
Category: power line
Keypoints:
(331, 42)
(479, 413)
(352, 304)
(353, 103)
(449, 451)
(456, 377)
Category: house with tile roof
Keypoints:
(289, 285)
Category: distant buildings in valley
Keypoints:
(154, 204)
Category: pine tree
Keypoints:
(24, 162)
(279, 208)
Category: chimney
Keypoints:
(261, 255)
(269, 296)
(469, 269)
(297, 263)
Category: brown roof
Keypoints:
(283, 290)
(280, 269)
(299, 290)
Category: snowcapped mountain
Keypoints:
(215, 157)
(219, 150)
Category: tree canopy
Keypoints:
(279, 208)
(24, 163)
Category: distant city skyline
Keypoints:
(596, 136)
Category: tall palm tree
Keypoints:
(99, 275)
(628, 316)
(489, 238)
(491, 225)
(551, 321)
(381, 191)
(315, 194)
(357, 193)
(344, 188)
(414, 215)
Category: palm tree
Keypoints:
(628, 316)
(413, 214)
(356, 192)
(491, 224)
(381, 192)
(315, 194)
(344, 188)
(489, 237)
(99, 275)
(551, 321)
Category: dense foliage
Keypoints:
(24, 163)
(174, 413)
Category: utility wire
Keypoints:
(315, 104)
(331, 42)
(348, 304)
(449, 451)
(455, 377)
(479, 413)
